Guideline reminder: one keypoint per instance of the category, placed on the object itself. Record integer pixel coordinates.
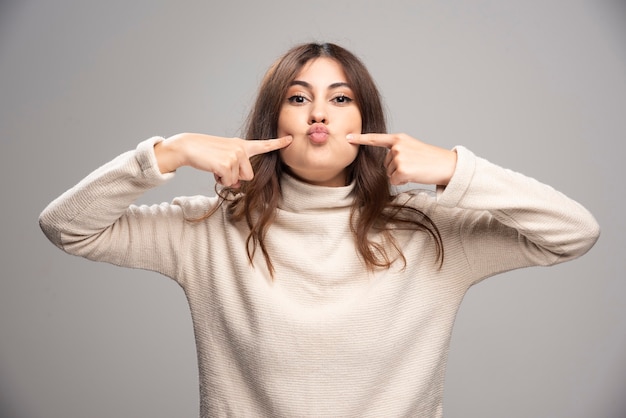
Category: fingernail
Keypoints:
(350, 136)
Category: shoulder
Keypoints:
(419, 198)
(426, 202)
(198, 206)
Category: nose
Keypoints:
(318, 113)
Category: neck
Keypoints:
(319, 178)
(299, 196)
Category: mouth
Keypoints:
(318, 133)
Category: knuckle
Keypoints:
(239, 153)
(231, 160)
(228, 162)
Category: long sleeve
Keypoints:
(294, 344)
(509, 220)
(96, 218)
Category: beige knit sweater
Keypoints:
(325, 338)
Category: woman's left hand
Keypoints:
(410, 160)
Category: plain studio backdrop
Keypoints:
(538, 87)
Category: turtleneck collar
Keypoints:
(298, 196)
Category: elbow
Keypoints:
(50, 228)
(590, 237)
(59, 230)
(68, 240)
(581, 242)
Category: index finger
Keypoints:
(262, 146)
(376, 140)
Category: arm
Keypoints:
(510, 220)
(96, 219)
(504, 219)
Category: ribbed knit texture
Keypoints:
(325, 338)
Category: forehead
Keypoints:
(322, 70)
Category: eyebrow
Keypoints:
(309, 86)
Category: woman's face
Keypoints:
(319, 111)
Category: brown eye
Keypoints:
(342, 99)
(297, 99)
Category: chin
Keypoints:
(331, 178)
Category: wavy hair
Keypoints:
(374, 207)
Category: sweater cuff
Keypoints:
(452, 194)
(147, 159)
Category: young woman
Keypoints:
(314, 290)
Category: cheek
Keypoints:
(286, 122)
(284, 155)
(291, 156)
(281, 128)
(353, 152)
(354, 122)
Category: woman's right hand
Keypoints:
(227, 158)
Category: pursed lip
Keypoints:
(318, 133)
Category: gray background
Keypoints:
(539, 87)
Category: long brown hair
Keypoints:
(374, 208)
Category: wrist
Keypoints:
(452, 158)
(170, 153)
